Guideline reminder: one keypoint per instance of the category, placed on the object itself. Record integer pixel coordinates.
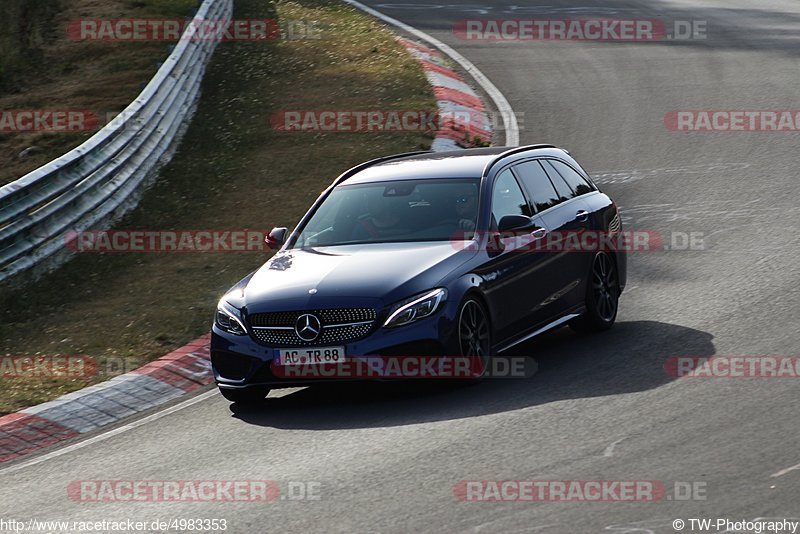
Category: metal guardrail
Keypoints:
(97, 182)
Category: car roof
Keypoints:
(469, 163)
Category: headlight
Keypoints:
(229, 319)
(419, 307)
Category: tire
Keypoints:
(251, 395)
(602, 296)
(475, 333)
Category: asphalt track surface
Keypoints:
(601, 407)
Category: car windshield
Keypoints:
(392, 212)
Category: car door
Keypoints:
(512, 272)
(562, 213)
(599, 208)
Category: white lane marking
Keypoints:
(784, 471)
(481, 527)
(609, 452)
(648, 526)
(509, 118)
(110, 433)
(516, 531)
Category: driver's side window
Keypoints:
(507, 198)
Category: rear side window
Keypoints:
(507, 197)
(541, 190)
(575, 181)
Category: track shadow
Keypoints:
(629, 358)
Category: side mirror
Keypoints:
(511, 223)
(276, 238)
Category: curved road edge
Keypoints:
(463, 121)
(510, 125)
(182, 371)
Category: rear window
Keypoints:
(573, 179)
(538, 185)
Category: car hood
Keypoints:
(362, 275)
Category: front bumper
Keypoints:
(241, 361)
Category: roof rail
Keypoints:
(512, 151)
(358, 168)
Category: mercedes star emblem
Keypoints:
(308, 327)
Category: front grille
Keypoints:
(332, 316)
(341, 325)
(329, 336)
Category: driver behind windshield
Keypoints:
(383, 217)
(466, 207)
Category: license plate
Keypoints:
(315, 356)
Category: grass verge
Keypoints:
(232, 172)
(42, 68)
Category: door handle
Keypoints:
(539, 233)
(582, 216)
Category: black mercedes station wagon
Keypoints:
(462, 254)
